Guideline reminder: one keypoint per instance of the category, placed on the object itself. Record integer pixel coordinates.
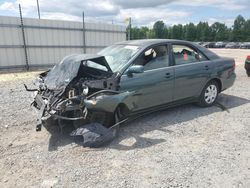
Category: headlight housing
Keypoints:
(71, 93)
(85, 89)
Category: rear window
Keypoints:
(184, 55)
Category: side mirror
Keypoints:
(135, 69)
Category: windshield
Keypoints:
(118, 55)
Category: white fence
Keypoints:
(48, 41)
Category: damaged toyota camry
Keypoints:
(94, 94)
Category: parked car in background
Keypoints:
(247, 65)
(209, 44)
(232, 45)
(220, 44)
(245, 45)
(199, 43)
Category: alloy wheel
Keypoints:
(211, 94)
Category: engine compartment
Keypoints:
(65, 102)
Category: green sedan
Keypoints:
(130, 79)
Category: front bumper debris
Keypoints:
(96, 135)
(45, 111)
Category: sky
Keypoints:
(142, 12)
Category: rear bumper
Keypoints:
(227, 83)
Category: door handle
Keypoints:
(167, 75)
(206, 67)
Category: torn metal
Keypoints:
(70, 92)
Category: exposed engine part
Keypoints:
(71, 93)
(27, 89)
(63, 89)
(85, 89)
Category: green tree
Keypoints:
(143, 32)
(203, 32)
(220, 32)
(166, 32)
(159, 29)
(190, 32)
(135, 33)
(200, 32)
(150, 34)
(247, 30)
(238, 29)
(170, 33)
(177, 32)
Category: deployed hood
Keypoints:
(65, 71)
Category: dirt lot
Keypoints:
(186, 146)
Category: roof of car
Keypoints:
(149, 42)
(146, 42)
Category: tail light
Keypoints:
(248, 57)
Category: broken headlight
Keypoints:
(85, 89)
(71, 93)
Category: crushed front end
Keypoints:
(62, 92)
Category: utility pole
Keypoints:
(38, 9)
(83, 33)
(129, 28)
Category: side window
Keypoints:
(184, 55)
(154, 58)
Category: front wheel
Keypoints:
(104, 118)
(209, 94)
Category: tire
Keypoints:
(248, 73)
(106, 119)
(209, 94)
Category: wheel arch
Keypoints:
(201, 101)
(123, 109)
(218, 82)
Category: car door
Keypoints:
(192, 70)
(154, 86)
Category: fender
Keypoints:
(109, 103)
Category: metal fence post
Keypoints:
(24, 42)
(38, 9)
(129, 28)
(83, 34)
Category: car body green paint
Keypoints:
(169, 86)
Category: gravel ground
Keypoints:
(186, 146)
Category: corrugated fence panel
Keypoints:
(48, 41)
(11, 36)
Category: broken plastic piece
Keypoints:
(95, 134)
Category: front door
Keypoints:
(154, 86)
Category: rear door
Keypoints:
(192, 70)
(154, 86)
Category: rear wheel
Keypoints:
(209, 94)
